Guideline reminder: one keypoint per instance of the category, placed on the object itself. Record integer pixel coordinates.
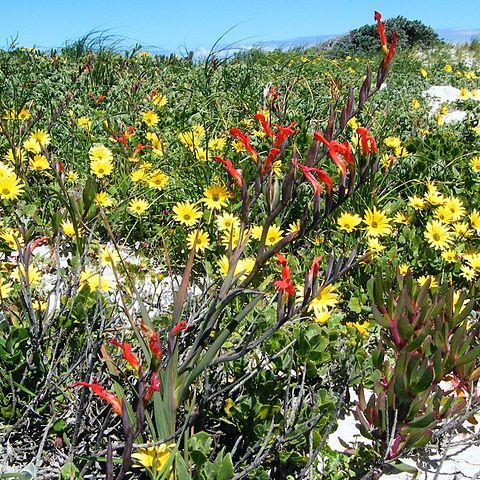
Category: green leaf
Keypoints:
(424, 382)
(422, 422)
(469, 356)
(226, 471)
(198, 457)
(70, 472)
(89, 193)
(181, 470)
(403, 467)
(354, 305)
(380, 318)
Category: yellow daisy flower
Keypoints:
(327, 298)
(377, 223)
(475, 164)
(108, 256)
(227, 221)
(157, 180)
(69, 229)
(137, 206)
(274, 234)
(450, 256)
(215, 197)
(102, 199)
(438, 235)
(424, 278)
(456, 208)
(153, 458)
(199, 239)
(475, 219)
(417, 203)
(5, 290)
(32, 146)
(348, 221)
(186, 213)
(12, 238)
(10, 187)
(159, 100)
(150, 118)
(39, 163)
(42, 137)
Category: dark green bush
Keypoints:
(363, 40)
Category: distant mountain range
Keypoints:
(451, 35)
(458, 35)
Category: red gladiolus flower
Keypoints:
(153, 341)
(391, 51)
(283, 133)
(388, 52)
(153, 387)
(37, 243)
(369, 145)
(336, 149)
(272, 155)
(285, 285)
(266, 127)
(273, 94)
(381, 32)
(179, 327)
(98, 390)
(245, 139)
(281, 259)
(235, 173)
(314, 266)
(308, 174)
(345, 149)
(139, 148)
(121, 139)
(128, 355)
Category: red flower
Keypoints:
(391, 51)
(121, 139)
(314, 266)
(369, 145)
(308, 174)
(273, 94)
(153, 387)
(387, 52)
(283, 133)
(139, 148)
(266, 127)
(235, 173)
(281, 259)
(335, 149)
(381, 31)
(272, 155)
(245, 139)
(128, 355)
(98, 390)
(37, 242)
(182, 325)
(59, 165)
(153, 341)
(285, 285)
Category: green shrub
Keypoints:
(361, 41)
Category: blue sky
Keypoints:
(176, 24)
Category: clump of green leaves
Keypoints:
(425, 338)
